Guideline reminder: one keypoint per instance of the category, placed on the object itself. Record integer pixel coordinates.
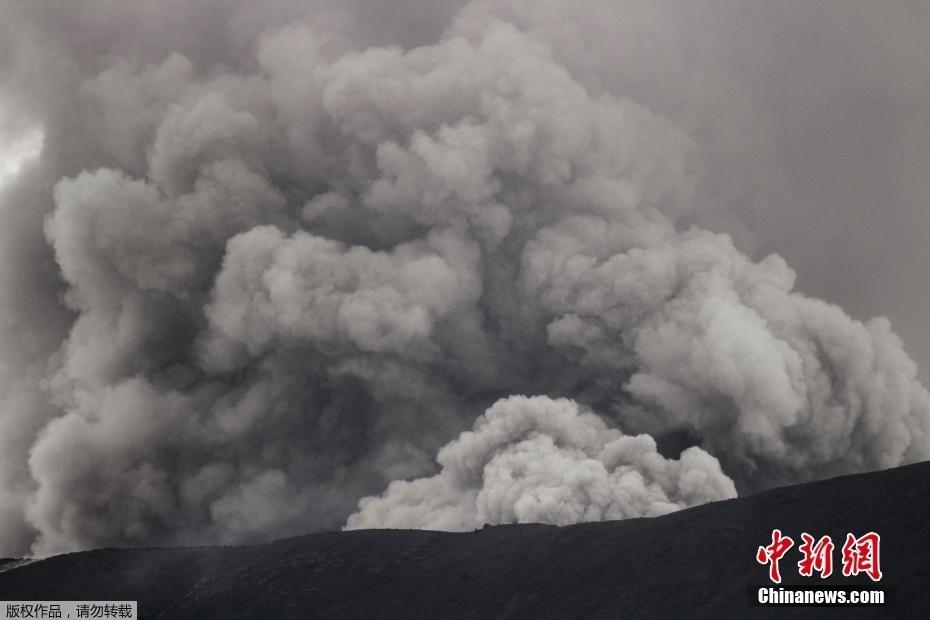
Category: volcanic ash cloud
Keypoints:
(256, 278)
(538, 460)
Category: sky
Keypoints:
(17, 151)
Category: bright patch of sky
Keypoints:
(16, 152)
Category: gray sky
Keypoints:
(847, 88)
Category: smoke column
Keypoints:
(311, 265)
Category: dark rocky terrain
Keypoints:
(695, 563)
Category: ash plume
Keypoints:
(273, 260)
(538, 460)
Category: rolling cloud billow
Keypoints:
(299, 267)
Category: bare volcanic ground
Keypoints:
(696, 562)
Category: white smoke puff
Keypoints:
(724, 347)
(311, 289)
(101, 232)
(539, 460)
(446, 123)
(190, 138)
(131, 493)
(129, 284)
(127, 105)
(23, 414)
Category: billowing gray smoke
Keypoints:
(275, 256)
(543, 461)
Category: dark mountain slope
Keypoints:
(697, 563)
